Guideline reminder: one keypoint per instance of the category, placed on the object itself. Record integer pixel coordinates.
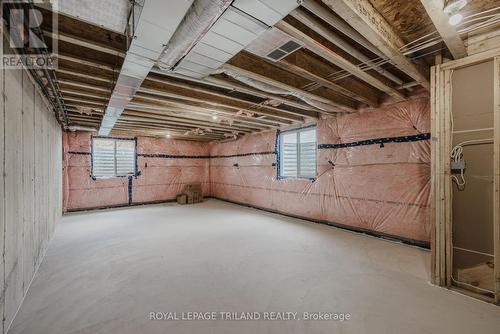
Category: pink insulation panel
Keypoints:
(382, 189)
(160, 178)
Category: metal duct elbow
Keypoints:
(265, 87)
(197, 22)
(74, 128)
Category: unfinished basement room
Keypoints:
(250, 166)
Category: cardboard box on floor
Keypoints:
(191, 194)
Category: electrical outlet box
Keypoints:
(457, 166)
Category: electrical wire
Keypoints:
(457, 156)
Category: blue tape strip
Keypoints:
(173, 156)
(80, 153)
(377, 141)
(136, 171)
(277, 152)
(130, 181)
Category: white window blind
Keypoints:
(298, 153)
(112, 157)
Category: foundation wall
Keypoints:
(368, 185)
(373, 172)
(165, 166)
(30, 186)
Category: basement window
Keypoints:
(297, 154)
(113, 157)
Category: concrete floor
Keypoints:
(106, 271)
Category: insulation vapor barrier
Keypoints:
(164, 167)
(373, 172)
(376, 185)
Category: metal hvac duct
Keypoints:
(156, 24)
(242, 23)
(195, 25)
(199, 46)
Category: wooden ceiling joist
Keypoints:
(74, 40)
(314, 70)
(86, 62)
(449, 34)
(198, 113)
(215, 108)
(84, 30)
(338, 60)
(239, 87)
(199, 94)
(160, 117)
(364, 18)
(131, 126)
(263, 72)
(67, 72)
(340, 25)
(339, 41)
(183, 108)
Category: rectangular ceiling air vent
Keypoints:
(284, 50)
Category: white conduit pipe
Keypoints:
(457, 155)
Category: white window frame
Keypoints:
(115, 175)
(281, 160)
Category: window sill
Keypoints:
(284, 178)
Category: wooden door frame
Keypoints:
(441, 185)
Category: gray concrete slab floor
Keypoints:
(106, 271)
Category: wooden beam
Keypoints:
(161, 124)
(85, 94)
(186, 108)
(239, 87)
(449, 34)
(99, 91)
(173, 87)
(83, 29)
(338, 60)
(483, 41)
(334, 38)
(75, 40)
(85, 101)
(364, 18)
(163, 116)
(84, 76)
(128, 126)
(130, 114)
(85, 86)
(249, 66)
(315, 70)
(496, 181)
(119, 131)
(166, 96)
(340, 25)
(87, 62)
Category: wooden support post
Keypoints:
(446, 162)
(496, 212)
(435, 203)
(441, 249)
